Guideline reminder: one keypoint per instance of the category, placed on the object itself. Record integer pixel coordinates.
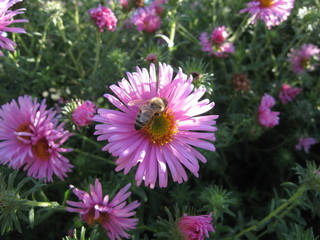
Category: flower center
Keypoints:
(161, 129)
(90, 220)
(41, 149)
(24, 127)
(266, 3)
(304, 63)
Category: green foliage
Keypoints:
(75, 236)
(13, 201)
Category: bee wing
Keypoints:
(137, 102)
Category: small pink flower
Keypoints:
(272, 12)
(32, 138)
(151, 57)
(124, 3)
(104, 18)
(304, 59)
(145, 19)
(195, 227)
(216, 44)
(5, 20)
(83, 114)
(306, 143)
(266, 117)
(288, 93)
(219, 35)
(157, 6)
(114, 215)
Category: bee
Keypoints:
(148, 109)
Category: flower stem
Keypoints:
(85, 138)
(94, 156)
(54, 205)
(240, 30)
(97, 50)
(291, 200)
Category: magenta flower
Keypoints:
(104, 18)
(304, 59)
(306, 143)
(113, 215)
(216, 44)
(288, 93)
(157, 6)
(272, 12)
(195, 227)
(266, 117)
(83, 114)
(168, 139)
(219, 35)
(146, 19)
(31, 137)
(5, 20)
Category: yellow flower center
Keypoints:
(41, 149)
(161, 129)
(266, 3)
(24, 127)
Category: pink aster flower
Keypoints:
(219, 35)
(83, 114)
(145, 19)
(216, 44)
(195, 227)
(266, 117)
(31, 138)
(157, 6)
(5, 20)
(272, 12)
(104, 18)
(168, 139)
(304, 59)
(114, 215)
(288, 93)
(306, 143)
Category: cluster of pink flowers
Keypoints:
(114, 215)
(84, 113)
(31, 138)
(216, 44)
(266, 117)
(272, 12)
(305, 59)
(306, 143)
(288, 93)
(104, 18)
(166, 143)
(195, 227)
(148, 18)
(5, 20)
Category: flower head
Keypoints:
(146, 19)
(288, 93)
(195, 227)
(306, 143)
(272, 12)
(31, 137)
(104, 18)
(114, 215)
(266, 117)
(5, 20)
(83, 114)
(304, 59)
(241, 82)
(216, 44)
(219, 35)
(168, 137)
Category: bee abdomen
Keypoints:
(138, 125)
